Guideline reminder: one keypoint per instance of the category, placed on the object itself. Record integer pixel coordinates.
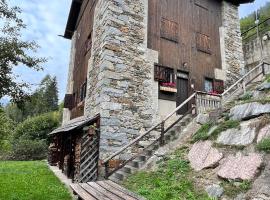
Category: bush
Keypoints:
(264, 145)
(6, 130)
(37, 128)
(24, 149)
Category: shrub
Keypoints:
(24, 149)
(37, 128)
(264, 145)
(6, 130)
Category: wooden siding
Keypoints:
(192, 19)
(83, 46)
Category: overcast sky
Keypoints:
(45, 19)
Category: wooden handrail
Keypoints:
(241, 79)
(151, 129)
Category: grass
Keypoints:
(267, 78)
(264, 145)
(172, 181)
(245, 97)
(30, 180)
(202, 133)
(231, 189)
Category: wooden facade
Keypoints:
(74, 149)
(83, 45)
(186, 35)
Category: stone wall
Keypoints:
(231, 43)
(70, 81)
(252, 50)
(120, 82)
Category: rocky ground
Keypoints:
(229, 155)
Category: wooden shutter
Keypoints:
(203, 43)
(68, 101)
(169, 30)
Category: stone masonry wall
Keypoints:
(70, 81)
(252, 50)
(120, 82)
(231, 43)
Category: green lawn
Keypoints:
(30, 180)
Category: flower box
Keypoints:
(168, 89)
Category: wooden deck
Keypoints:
(103, 190)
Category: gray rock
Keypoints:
(261, 186)
(249, 110)
(264, 86)
(240, 196)
(238, 137)
(214, 191)
(202, 155)
(202, 118)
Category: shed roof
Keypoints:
(76, 123)
(76, 7)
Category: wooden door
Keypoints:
(182, 91)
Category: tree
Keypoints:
(44, 99)
(14, 52)
(6, 130)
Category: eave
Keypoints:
(76, 7)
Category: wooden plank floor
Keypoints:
(103, 190)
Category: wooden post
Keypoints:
(162, 141)
(106, 164)
(263, 68)
(244, 86)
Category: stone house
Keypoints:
(132, 63)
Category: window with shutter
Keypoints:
(203, 43)
(218, 86)
(169, 30)
(69, 101)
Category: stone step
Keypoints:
(136, 163)
(114, 179)
(129, 169)
(121, 175)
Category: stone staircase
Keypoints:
(140, 162)
(167, 135)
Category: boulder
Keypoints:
(261, 186)
(240, 167)
(214, 191)
(264, 86)
(263, 133)
(202, 118)
(238, 137)
(249, 110)
(202, 155)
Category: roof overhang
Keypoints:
(76, 7)
(75, 124)
(72, 18)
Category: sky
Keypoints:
(45, 20)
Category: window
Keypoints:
(69, 101)
(203, 43)
(164, 74)
(88, 43)
(83, 91)
(208, 85)
(169, 30)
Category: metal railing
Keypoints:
(161, 139)
(241, 84)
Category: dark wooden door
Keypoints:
(182, 94)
